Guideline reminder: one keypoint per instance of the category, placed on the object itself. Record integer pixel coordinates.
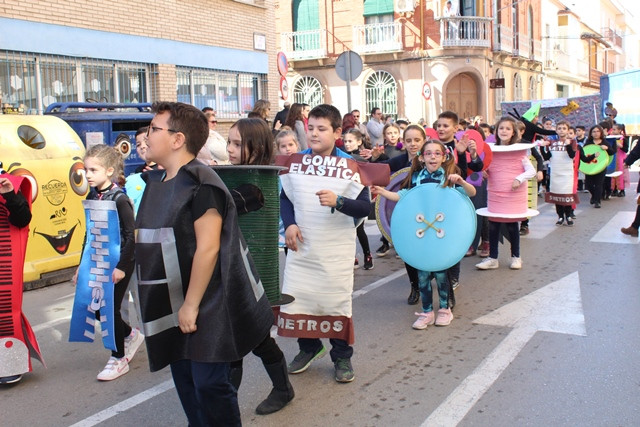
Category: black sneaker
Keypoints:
(301, 362)
(524, 230)
(569, 222)
(597, 205)
(356, 264)
(368, 262)
(383, 250)
(344, 370)
(559, 221)
(614, 193)
(621, 193)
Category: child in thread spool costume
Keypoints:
(251, 143)
(433, 163)
(516, 172)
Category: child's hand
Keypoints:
(472, 148)
(5, 185)
(456, 179)
(74, 279)
(365, 153)
(377, 190)
(117, 275)
(187, 316)
(291, 237)
(377, 151)
(463, 144)
(327, 198)
(515, 184)
(539, 176)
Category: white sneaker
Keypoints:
(132, 343)
(488, 264)
(516, 263)
(115, 368)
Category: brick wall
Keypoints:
(223, 23)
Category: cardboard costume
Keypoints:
(234, 314)
(319, 275)
(100, 256)
(17, 341)
(562, 191)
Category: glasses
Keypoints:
(433, 153)
(153, 129)
(213, 121)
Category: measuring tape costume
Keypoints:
(562, 188)
(319, 275)
(18, 343)
(234, 314)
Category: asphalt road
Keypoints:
(555, 343)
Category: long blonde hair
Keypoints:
(109, 157)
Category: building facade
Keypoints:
(217, 53)
(421, 57)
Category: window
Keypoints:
(499, 94)
(378, 7)
(231, 94)
(533, 88)
(517, 87)
(381, 91)
(308, 90)
(306, 19)
(562, 91)
(69, 79)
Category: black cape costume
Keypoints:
(234, 315)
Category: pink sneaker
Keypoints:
(424, 320)
(445, 316)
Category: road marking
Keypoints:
(370, 287)
(610, 233)
(125, 405)
(542, 225)
(527, 315)
(50, 324)
(167, 385)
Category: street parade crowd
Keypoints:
(179, 246)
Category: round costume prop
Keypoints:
(599, 164)
(503, 203)
(432, 227)
(485, 153)
(384, 207)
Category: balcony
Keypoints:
(522, 46)
(505, 40)
(465, 31)
(377, 38)
(535, 54)
(563, 62)
(613, 37)
(311, 44)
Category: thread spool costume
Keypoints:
(563, 181)
(505, 205)
(18, 343)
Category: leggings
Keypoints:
(595, 184)
(494, 237)
(426, 292)
(564, 211)
(120, 328)
(363, 239)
